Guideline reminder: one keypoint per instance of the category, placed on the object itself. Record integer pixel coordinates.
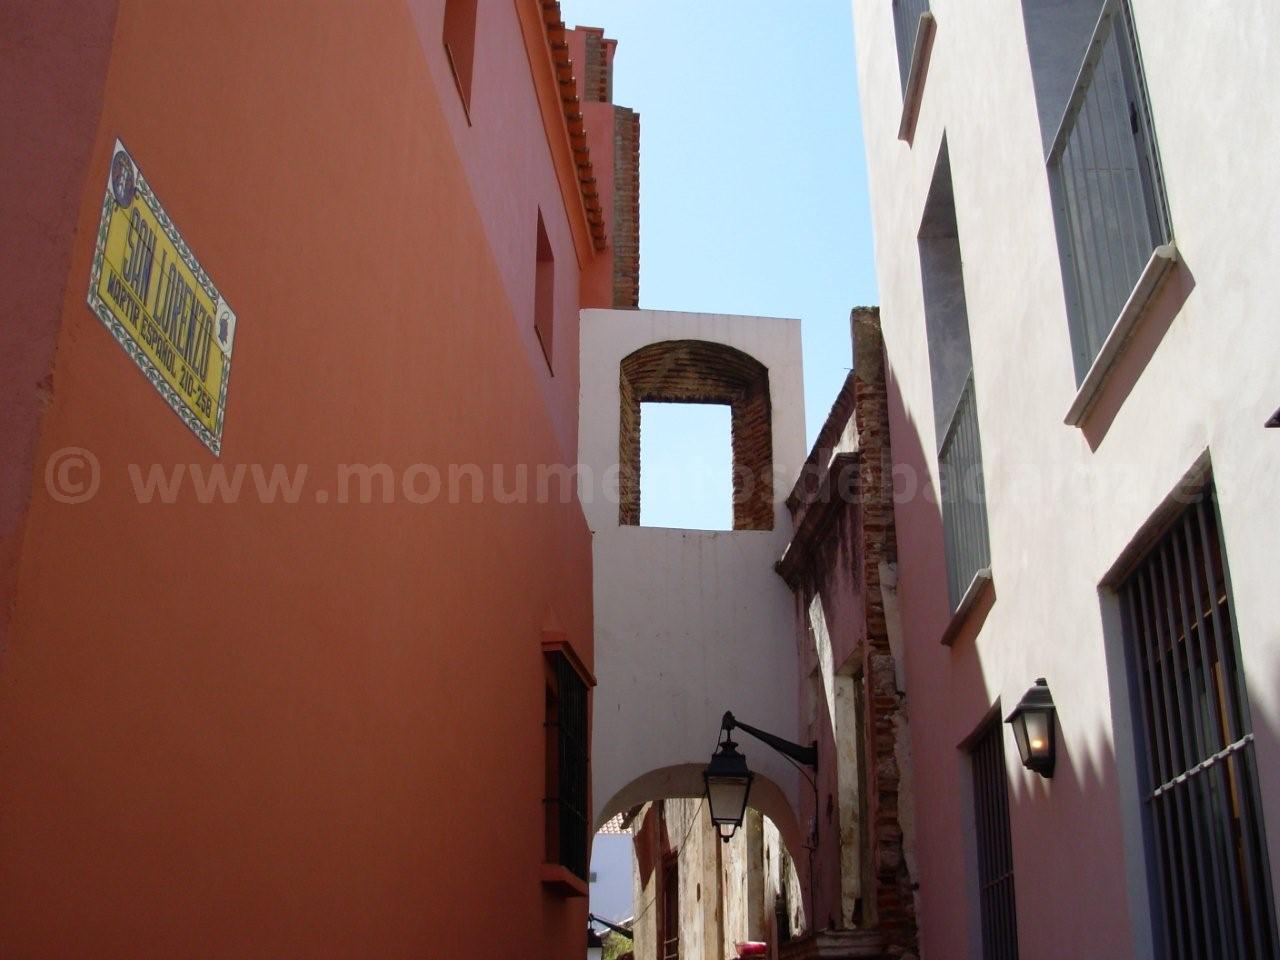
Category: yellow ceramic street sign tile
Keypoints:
(159, 304)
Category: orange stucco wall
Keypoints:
(597, 278)
(310, 729)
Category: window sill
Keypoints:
(562, 881)
(1153, 274)
(979, 588)
(915, 77)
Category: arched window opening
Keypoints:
(701, 373)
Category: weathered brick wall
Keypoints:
(626, 208)
(695, 371)
(842, 509)
(894, 897)
(597, 82)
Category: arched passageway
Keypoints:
(693, 895)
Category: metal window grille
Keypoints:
(571, 741)
(1108, 191)
(995, 847)
(906, 22)
(1204, 823)
(964, 499)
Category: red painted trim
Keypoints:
(557, 641)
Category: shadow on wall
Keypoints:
(1069, 903)
(948, 678)
(1056, 875)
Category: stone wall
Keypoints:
(728, 893)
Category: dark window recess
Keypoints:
(995, 846)
(955, 405)
(671, 908)
(460, 44)
(1207, 851)
(544, 294)
(782, 906)
(566, 766)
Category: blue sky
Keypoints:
(753, 194)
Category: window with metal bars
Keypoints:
(1211, 878)
(906, 23)
(955, 410)
(995, 846)
(566, 765)
(1104, 172)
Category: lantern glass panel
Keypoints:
(727, 797)
(1019, 725)
(1038, 734)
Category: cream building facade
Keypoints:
(1073, 205)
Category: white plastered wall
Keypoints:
(688, 623)
(1061, 510)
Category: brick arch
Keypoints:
(698, 371)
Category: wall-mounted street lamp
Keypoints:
(615, 927)
(728, 779)
(1033, 729)
(595, 943)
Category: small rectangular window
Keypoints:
(566, 765)
(460, 45)
(544, 294)
(1195, 741)
(995, 845)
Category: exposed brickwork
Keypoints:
(894, 897)
(695, 371)
(845, 530)
(597, 81)
(592, 82)
(626, 208)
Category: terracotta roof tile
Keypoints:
(557, 40)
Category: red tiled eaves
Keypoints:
(559, 45)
